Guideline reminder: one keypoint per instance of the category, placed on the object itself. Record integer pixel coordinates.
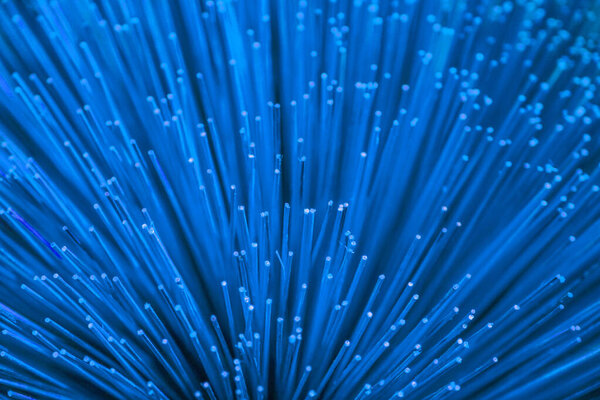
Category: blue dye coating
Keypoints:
(302, 199)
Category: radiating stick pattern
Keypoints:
(306, 199)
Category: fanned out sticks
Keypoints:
(325, 199)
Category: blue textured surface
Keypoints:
(273, 199)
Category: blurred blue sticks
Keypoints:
(304, 199)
